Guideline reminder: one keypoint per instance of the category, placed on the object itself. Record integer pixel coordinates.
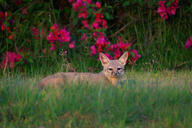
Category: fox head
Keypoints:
(113, 68)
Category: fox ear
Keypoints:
(123, 58)
(104, 59)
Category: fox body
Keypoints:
(113, 70)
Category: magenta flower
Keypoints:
(54, 27)
(50, 37)
(136, 55)
(85, 23)
(53, 47)
(98, 34)
(93, 50)
(98, 4)
(72, 44)
(162, 10)
(9, 59)
(83, 13)
(102, 42)
(109, 56)
(64, 35)
(35, 32)
(117, 53)
(188, 43)
(165, 11)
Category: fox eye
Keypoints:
(119, 68)
(110, 69)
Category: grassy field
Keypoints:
(147, 99)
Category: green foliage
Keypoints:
(160, 43)
(142, 103)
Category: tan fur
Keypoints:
(111, 74)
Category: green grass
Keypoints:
(150, 100)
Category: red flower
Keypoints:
(10, 37)
(3, 26)
(24, 11)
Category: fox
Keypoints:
(112, 72)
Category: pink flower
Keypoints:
(83, 13)
(172, 9)
(99, 21)
(98, 4)
(35, 32)
(9, 59)
(64, 35)
(124, 46)
(112, 47)
(189, 42)
(44, 51)
(93, 50)
(117, 53)
(54, 27)
(83, 37)
(53, 47)
(109, 56)
(85, 23)
(72, 44)
(78, 4)
(50, 37)
(102, 42)
(98, 34)
(95, 25)
(18, 57)
(162, 10)
(136, 55)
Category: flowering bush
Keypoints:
(96, 28)
(28, 31)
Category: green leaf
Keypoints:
(108, 16)
(9, 41)
(126, 3)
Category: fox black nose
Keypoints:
(114, 73)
